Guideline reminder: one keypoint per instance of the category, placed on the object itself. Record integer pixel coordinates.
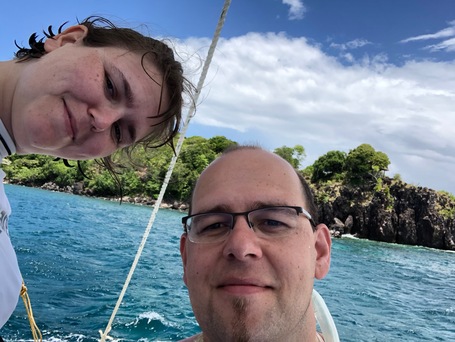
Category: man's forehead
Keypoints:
(249, 161)
(237, 173)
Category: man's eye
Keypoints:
(271, 226)
(214, 229)
(272, 223)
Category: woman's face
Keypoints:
(79, 102)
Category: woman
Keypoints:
(81, 94)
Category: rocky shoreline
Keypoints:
(398, 213)
(78, 189)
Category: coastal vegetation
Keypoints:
(352, 191)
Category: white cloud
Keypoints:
(297, 9)
(447, 32)
(446, 44)
(353, 44)
(279, 90)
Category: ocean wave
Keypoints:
(150, 318)
(349, 236)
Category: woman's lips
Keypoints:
(70, 124)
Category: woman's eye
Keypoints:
(110, 87)
(117, 132)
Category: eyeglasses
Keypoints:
(268, 222)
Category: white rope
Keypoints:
(104, 335)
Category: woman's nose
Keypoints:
(102, 120)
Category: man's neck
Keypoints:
(200, 338)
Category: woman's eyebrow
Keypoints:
(130, 99)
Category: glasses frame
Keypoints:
(299, 210)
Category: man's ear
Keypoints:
(183, 254)
(323, 244)
(71, 35)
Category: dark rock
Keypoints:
(348, 224)
(78, 188)
(338, 226)
(400, 213)
(335, 233)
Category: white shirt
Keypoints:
(10, 275)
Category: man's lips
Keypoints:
(243, 286)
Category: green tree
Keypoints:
(219, 143)
(364, 164)
(103, 184)
(35, 170)
(294, 155)
(196, 154)
(155, 165)
(308, 171)
(397, 177)
(329, 166)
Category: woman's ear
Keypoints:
(323, 244)
(71, 35)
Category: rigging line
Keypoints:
(104, 335)
(36, 333)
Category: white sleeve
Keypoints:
(10, 276)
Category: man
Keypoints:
(251, 250)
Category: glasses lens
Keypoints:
(276, 221)
(211, 227)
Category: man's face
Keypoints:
(247, 287)
(81, 102)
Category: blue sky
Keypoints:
(329, 75)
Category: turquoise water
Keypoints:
(75, 254)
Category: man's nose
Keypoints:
(242, 242)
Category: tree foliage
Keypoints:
(365, 164)
(35, 170)
(329, 166)
(145, 177)
(196, 154)
(294, 155)
(362, 165)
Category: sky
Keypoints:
(327, 75)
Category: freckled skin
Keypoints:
(46, 101)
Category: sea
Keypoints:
(75, 253)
